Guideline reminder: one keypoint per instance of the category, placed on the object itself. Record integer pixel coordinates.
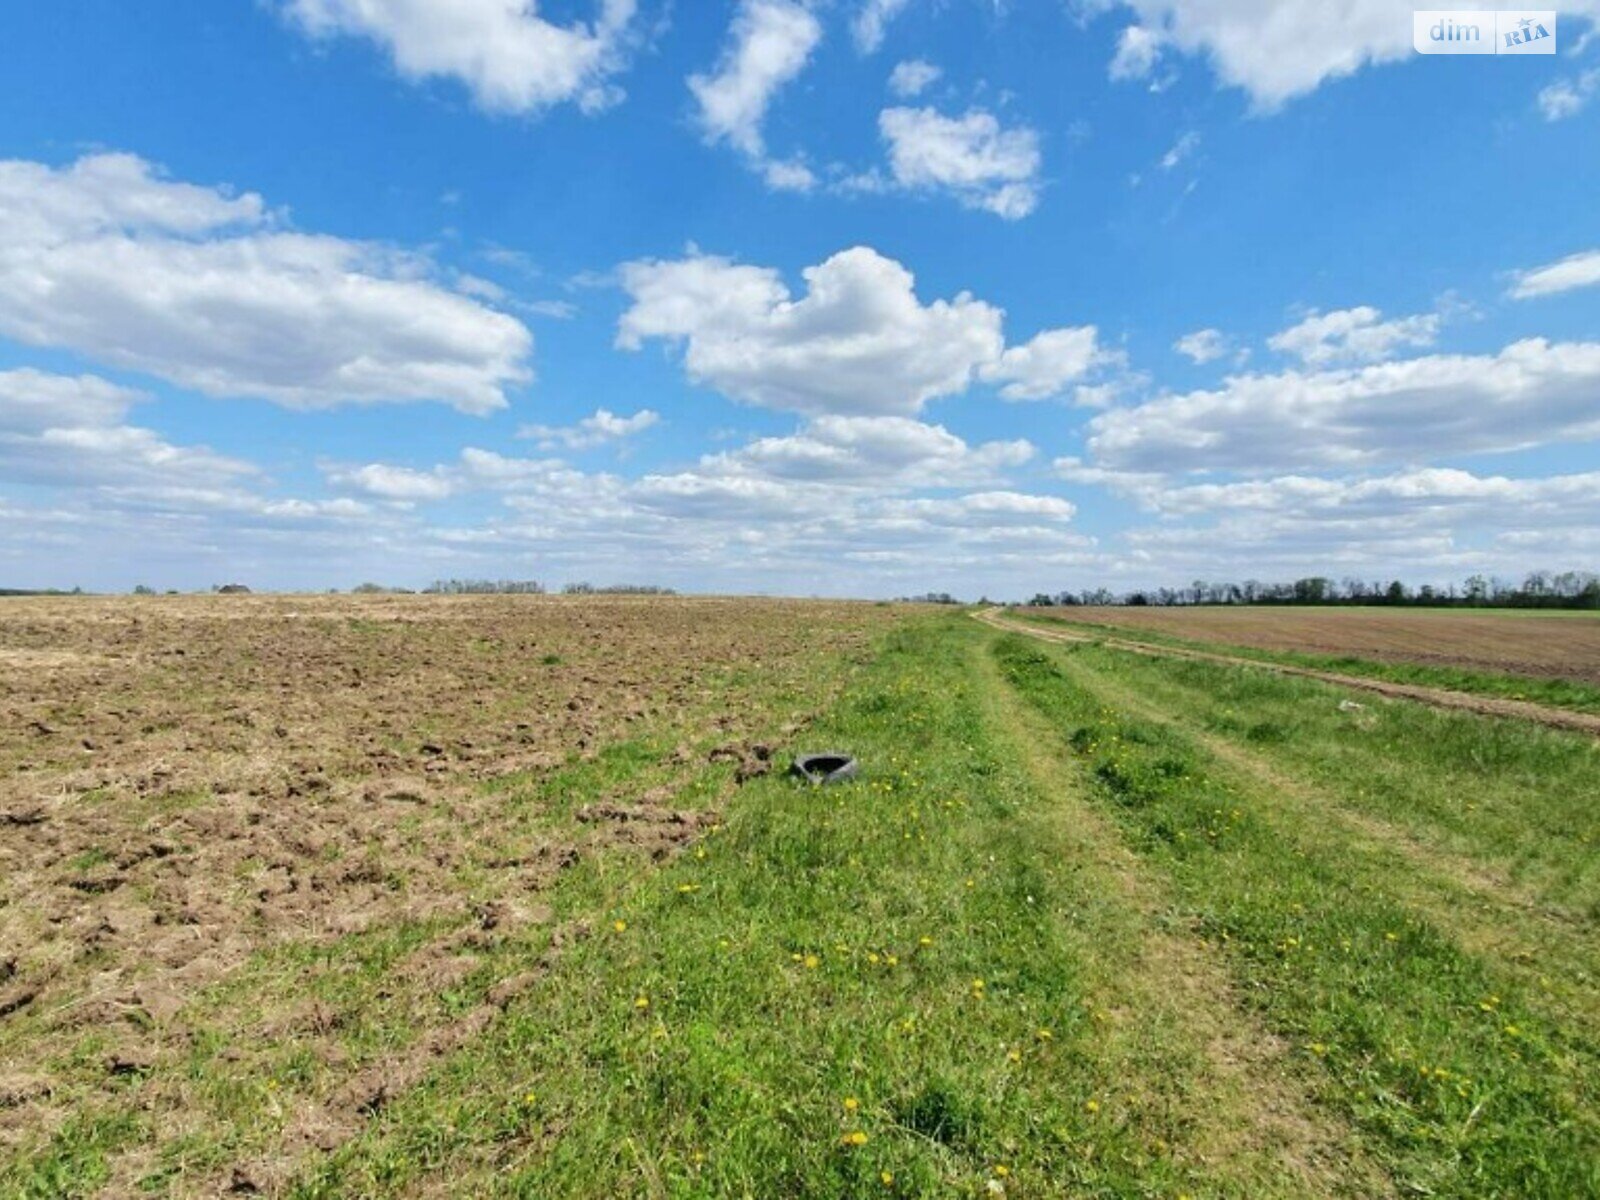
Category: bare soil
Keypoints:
(189, 783)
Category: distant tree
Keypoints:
(143, 590)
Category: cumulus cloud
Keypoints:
(1043, 367)
(475, 470)
(876, 453)
(392, 483)
(769, 44)
(913, 77)
(510, 58)
(859, 341)
(1532, 392)
(872, 20)
(205, 289)
(1275, 50)
(1574, 271)
(595, 430)
(1353, 335)
(1138, 52)
(890, 494)
(972, 157)
(1444, 521)
(72, 431)
(1204, 345)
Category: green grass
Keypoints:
(914, 959)
(1459, 1082)
(1091, 924)
(1557, 693)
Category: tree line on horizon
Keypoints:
(1539, 589)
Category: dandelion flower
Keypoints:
(642, 1003)
(888, 1178)
(1091, 1106)
(854, 1138)
(851, 1104)
(925, 941)
(812, 962)
(619, 926)
(1001, 1170)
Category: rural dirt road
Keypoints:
(1555, 718)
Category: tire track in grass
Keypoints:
(1251, 1108)
(1551, 950)
(883, 989)
(1455, 1081)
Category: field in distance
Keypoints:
(511, 896)
(1515, 641)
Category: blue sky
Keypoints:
(860, 297)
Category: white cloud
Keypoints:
(1183, 148)
(1568, 97)
(1203, 345)
(874, 453)
(1574, 271)
(1043, 367)
(790, 175)
(200, 287)
(1532, 392)
(770, 43)
(983, 165)
(871, 20)
(1428, 522)
(594, 430)
(1353, 335)
(1275, 50)
(1138, 52)
(859, 341)
(913, 77)
(72, 431)
(510, 58)
(392, 483)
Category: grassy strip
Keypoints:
(1434, 1054)
(891, 988)
(1557, 693)
(1513, 797)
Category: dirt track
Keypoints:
(1555, 718)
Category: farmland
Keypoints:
(441, 896)
(1558, 644)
